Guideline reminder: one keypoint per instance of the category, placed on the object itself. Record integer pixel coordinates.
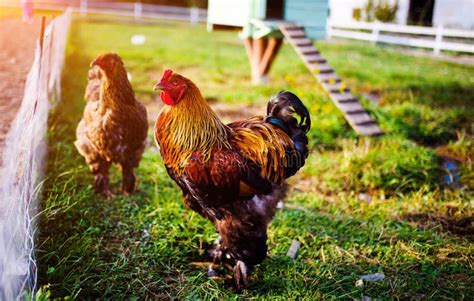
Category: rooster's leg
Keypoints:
(216, 255)
(101, 181)
(241, 275)
(128, 179)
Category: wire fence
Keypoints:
(23, 157)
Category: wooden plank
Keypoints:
(335, 87)
(343, 97)
(351, 107)
(361, 118)
(307, 50)
(293, 27)
(271, 50)
(320, 68)
(368, 129)
(328, 77)
(296, 34)
(314, 58)
(301, 42)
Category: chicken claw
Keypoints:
(101, 185)
(241, 275)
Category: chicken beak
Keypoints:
(158, 86)
(93, 63)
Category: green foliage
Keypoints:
(141, 246)
(381, 10)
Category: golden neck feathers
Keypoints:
(187, 127)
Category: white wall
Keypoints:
(341, 10)
(454, 13)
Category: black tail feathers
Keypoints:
(287, 112)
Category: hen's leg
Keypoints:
(128, 179)
(101, 181)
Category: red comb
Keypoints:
(167, 74)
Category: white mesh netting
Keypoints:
(24, 154)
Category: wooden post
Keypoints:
(83, 7)
(194, 15)
(43, 28)
(137, 10)
(375, 32)
(270, 53)
(261, 54)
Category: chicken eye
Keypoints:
(175, 82)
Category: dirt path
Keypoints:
(17, 45)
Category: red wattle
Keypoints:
(167, 98)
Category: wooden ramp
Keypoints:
(354, 113)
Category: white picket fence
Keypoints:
(131, 9)
(436, 38)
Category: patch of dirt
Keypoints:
(17, 46)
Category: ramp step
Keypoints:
(305, 50)
(361, 118)
(369, 129)
(335, 87)
(297, 34)
(299, 42)
(314, 58)
(320, 68)
(328, 77)
(343, 98)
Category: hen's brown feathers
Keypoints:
(113, 128)
(94, 80)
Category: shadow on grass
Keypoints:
(443, 95)
(462, 226)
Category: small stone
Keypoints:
(359, 283)
(373, 277)
(293, 250)
(365, 197)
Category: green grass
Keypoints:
(141, 247)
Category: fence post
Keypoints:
(375, 32)
(137, 10)
(194, 15)
(328, 28)
(83, 7)
(438, 40)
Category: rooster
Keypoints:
(114, 125)
(231, 174)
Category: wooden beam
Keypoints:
(258, 47)
(271, 51)
(248, 48)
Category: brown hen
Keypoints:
(114, 125)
